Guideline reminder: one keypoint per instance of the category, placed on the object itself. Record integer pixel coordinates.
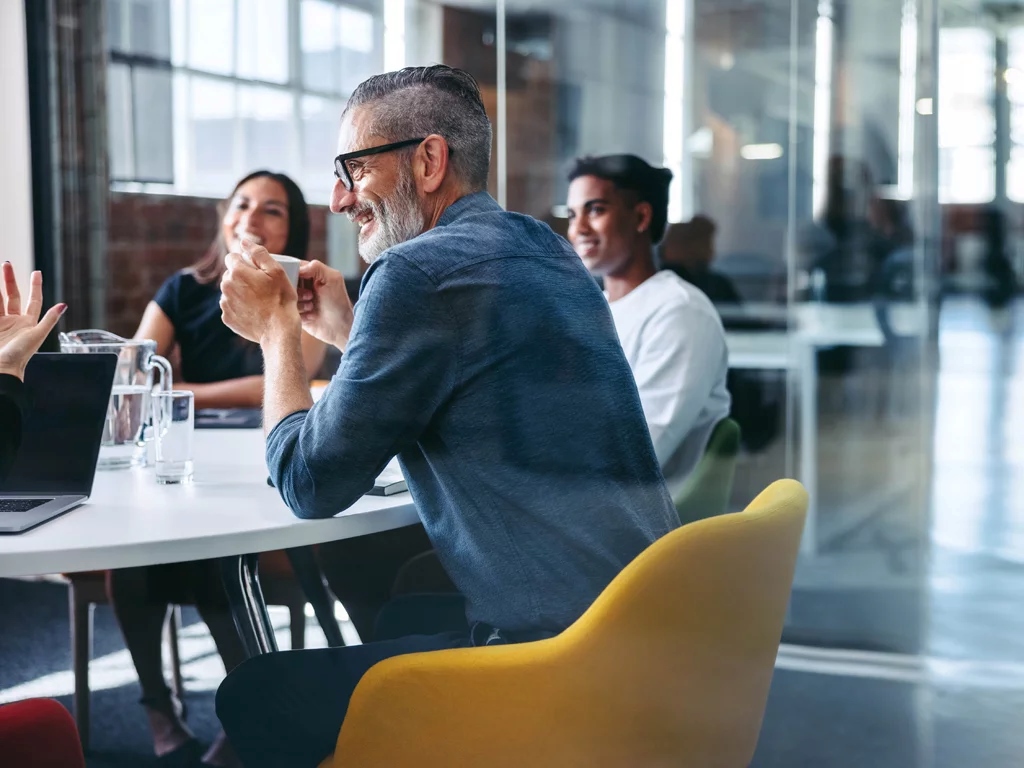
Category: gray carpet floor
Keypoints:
(812, 719)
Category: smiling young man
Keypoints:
(670, 331)
(483, 355)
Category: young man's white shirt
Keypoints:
(675, 344)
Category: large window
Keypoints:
(1015, 94)
(201, 92)
(967, 125)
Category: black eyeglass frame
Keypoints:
(341, 170)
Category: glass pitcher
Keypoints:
(129, 412)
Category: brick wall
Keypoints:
(152, 236)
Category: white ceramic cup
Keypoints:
(290, 265)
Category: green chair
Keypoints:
(706, 491)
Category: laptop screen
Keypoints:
(60, 438)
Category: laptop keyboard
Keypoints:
(21, 505)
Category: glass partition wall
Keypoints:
(806, 132)
(819, 137)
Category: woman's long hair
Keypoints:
(210, 267)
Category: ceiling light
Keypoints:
(761, 151)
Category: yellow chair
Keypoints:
(670, 666)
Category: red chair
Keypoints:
(39, 733)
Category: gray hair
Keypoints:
(419, 101)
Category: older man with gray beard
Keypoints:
(483, 355)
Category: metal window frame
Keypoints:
(293, 85)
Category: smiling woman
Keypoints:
(222, 369)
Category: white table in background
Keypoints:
(814, 326)
(228, 512)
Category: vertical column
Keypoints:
(678, 107)
(80, 172)
(15, 167)
(1002, 115)
(502, 126)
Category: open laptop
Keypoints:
(54, 468)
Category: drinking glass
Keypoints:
(174, 424)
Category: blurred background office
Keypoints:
(862, 163)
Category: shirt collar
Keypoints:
(477, 202)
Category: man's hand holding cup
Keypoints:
(258, 298)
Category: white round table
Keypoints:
(228, 512)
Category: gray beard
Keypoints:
(398, 219)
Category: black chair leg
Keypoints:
(314, 585)
(297, 625)
(81, 651)
(241, 581)
(173, 625)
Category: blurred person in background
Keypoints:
(841, 249)
(223, 370)
(669, 330)
(689, 251)
(1000, 279)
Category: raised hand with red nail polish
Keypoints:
(22, 332)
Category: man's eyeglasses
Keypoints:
(344, 173)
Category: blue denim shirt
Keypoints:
(484, 355)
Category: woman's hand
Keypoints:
(22, 332)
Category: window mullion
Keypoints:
(298, 146)
(295, 75)
(234, 32)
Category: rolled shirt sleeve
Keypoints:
(400, 366)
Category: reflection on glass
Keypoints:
(674, 131)
(1014, 77)
(823, 38)
(908, 99)
(968, 174)
(966, 119)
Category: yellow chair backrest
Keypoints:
(671, 665)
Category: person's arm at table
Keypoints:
(325, 314)
(399, 367)
(21, 335)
